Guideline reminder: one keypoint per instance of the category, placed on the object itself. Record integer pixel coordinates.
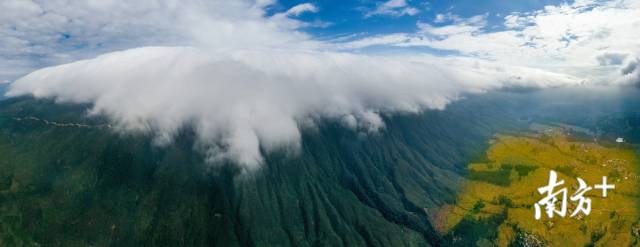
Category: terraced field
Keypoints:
(496, 205)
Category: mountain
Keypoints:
(67, 179)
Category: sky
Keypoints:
(37, 34)
(250, 75)
(344, 18)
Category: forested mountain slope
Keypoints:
(70, 180)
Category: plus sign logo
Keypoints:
(555, 197)
(604, 186)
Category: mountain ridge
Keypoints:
(87, 186)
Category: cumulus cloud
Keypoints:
(393, 8)
(441, 18)
(56, 31)
(631, 73)
(563, 38)
(246, 82)
(461, 26)
(607, 58)
(38, 33)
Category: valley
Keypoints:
(496, 202)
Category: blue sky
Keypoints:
(348, 17)
(249, 73)
(562, 34)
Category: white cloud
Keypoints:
(441, 18)
(49, 32)
(461, 26)
(246, 82)
(393, 8)
(631, 73)
(390, 39)
(302, 8)
(242, 101)
(574, 35)
(611, 58)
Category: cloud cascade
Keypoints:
(243, 101)
(249, 83)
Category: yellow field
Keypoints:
(506, 184)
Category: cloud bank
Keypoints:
(242, 102)
(248, 82)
